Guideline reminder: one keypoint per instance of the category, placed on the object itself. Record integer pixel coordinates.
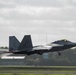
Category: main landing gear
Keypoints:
(59, 53)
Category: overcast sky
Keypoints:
(45, 20)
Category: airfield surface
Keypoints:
(59, 70)
(33, 70)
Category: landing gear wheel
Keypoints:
(39, 53)
(59, 53)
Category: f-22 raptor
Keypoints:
(26, 46)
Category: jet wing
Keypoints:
(42, 48)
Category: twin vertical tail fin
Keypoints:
(26, 43)
(13, 43)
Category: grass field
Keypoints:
(32, 74)
(29, 70)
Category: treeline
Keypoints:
(2, 47)
(67, 58)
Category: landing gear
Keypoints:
(26, 60)
(59, 53)
(40, 53)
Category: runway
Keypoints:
(43, 72)
(40, 72)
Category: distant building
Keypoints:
(12, 60)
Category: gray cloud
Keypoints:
(7, 4)
(39, 13)
(45, 3)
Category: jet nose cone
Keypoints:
(73, 44)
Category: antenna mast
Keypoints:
(46, 38)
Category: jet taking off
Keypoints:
(26, 46)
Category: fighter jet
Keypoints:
(26, 46)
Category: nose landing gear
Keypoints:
(59, 53)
